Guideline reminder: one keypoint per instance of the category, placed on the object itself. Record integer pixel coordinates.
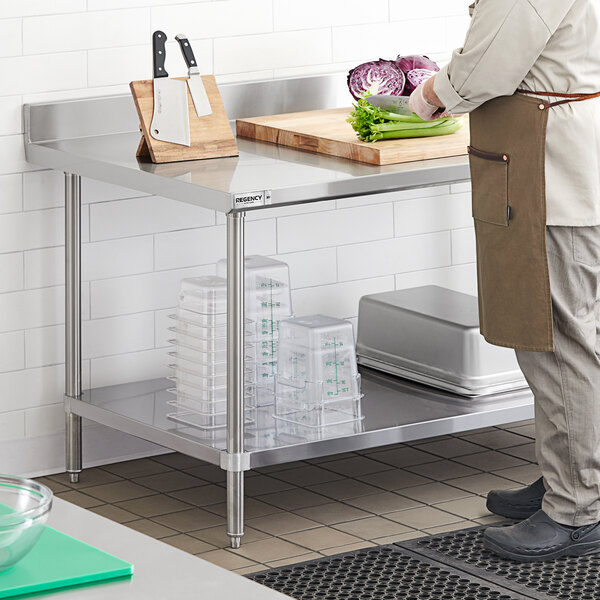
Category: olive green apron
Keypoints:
(507, 159)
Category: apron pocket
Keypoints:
(489, 178)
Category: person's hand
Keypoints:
(421, 107)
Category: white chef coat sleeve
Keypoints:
(503, 42)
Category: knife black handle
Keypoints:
(159, 54)
(186, 49)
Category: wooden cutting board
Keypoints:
(327, 132)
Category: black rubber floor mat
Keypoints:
(570, 578)
(379, 573)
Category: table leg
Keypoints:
(73, 321)
(235, 374)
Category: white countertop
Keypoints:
(161, 572)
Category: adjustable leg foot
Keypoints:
(73, 432)
(235, 507)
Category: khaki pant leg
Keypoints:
(566, 382)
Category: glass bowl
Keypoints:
(24, 509)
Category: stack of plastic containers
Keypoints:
(317, 383)
(268, 300)
(200, 356)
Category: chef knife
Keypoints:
(395, 104)
(201, 101)
(170, 119)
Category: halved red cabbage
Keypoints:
(417, 69)
(416, 77)
(376, 77)
(416, 61)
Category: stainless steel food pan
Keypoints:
(431, 334)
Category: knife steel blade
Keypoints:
(394, 104)
(170, 117)
(195, 83)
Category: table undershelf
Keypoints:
(395, 410)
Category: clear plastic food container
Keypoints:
(197, 329)
(264, 350)
(317, 332)
(265, 356)
(205, 358)
(293, 433)
(265, 373)
(198, 344)
(195, 332)
(219, 326)
(198, 383)
(265, 278)
(265, 394)
(218, 320)
(334, 412)
(267, 326)
(208, 407)
(203, 370)
(336, 369)
(205, 421)
(202, 395)
(310, 394)
(266, 347)
(268, 302)
(208, 394)
(206, 294)
(187, 372)
(272, 304)
(318, 349)
(268, 293)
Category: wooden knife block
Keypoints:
(210, 136)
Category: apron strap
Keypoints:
(567, 97)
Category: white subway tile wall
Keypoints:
(10, 37)
(137, 247)
(335, 227)
(85, 31)
(272, 50)
(12, 153)
(400, 10)
(11, 186)
(288, 16)
(396, 255)
(44, 72)
(463, 246)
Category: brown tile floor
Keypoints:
(304, 510)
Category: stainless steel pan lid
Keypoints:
(431, 334)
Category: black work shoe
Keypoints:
(539, 538)
(517, 504)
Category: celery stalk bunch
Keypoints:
(372, 123)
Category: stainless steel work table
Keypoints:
(97, 138)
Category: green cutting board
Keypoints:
(58, 561)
